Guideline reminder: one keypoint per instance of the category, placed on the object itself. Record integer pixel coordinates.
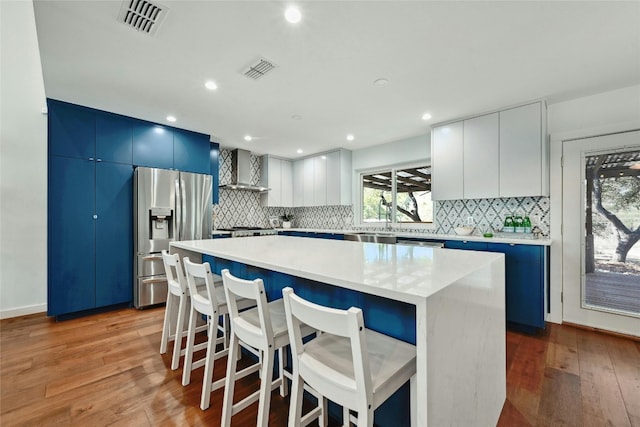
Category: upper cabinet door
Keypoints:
(523, 164)
(320, 180)
(308, 192)
(72, 130)
(152, 145)
(298, 183)
(481, 157)
(191, 151)
(447, 162)
(334, 178)
(286, 181)
(114, 138)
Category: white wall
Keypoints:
(606, 112)
(23, 165)
(415, 149)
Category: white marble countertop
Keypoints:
(400, 272)
(511, 238)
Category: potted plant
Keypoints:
(286, 220)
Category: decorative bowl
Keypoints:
(464, 231)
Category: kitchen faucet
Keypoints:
(387, 213)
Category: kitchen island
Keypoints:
(449, 303)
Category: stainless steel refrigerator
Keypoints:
(167, 206)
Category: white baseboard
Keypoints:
(23, 311)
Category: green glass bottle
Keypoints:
(527, 224)
(508, 224)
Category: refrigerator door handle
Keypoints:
(178, 219)
(183, 209)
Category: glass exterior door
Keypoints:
(612, 232)
(601, 232)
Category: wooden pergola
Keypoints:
(407, 180)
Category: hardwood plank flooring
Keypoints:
(105, 369)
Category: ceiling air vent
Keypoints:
(142, 15)
(259, 68)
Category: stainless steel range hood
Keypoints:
(241, 172)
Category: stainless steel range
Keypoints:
(249, 231)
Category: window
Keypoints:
(397, 196)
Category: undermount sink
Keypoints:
(370, 237)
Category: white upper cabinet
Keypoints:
(502, 154)
(338, 177)
(298, 183)
(308, 188)
(277, 175)
(523, 154)
(319, 180)
(481, 148)
(323, 179)
(447, 162)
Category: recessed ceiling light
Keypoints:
(350, 137)
(248, 138)
(171, 119)
(211, 85)
(381, 82)
(426, 116)
(323, 157)
(296, 117)
(299, 151)
(292, 15)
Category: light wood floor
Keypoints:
(105, 370)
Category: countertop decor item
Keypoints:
(286, 220)
(464, 231)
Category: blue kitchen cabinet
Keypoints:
(191, 151)
(114, 138)
(72, 130)
(71, 231)
(152, 145)
(114, 234)
(465, 245)
(214, 171)
(525, 278)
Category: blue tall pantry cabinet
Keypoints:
(92, 155)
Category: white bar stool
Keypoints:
(177, 293)
(209, 301)
(263, 328)
(354, 367)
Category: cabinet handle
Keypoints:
(152, 257)
(98, 160)
(95, 217)
(512, 244)
(91, 159)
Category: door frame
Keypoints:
(555, 290)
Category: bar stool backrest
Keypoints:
(175, 274)
(348, 328)
(194, 271)
(237, 289)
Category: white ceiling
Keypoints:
(448, 58)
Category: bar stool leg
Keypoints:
(265, 388)
(177, 341)
(295, 404)
(188, 356)
(284, 385)
(166, 324)
(230, 381)
(209, 364)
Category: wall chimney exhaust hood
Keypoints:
(241, 172)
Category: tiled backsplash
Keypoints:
(237, 208)
(489, 214)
